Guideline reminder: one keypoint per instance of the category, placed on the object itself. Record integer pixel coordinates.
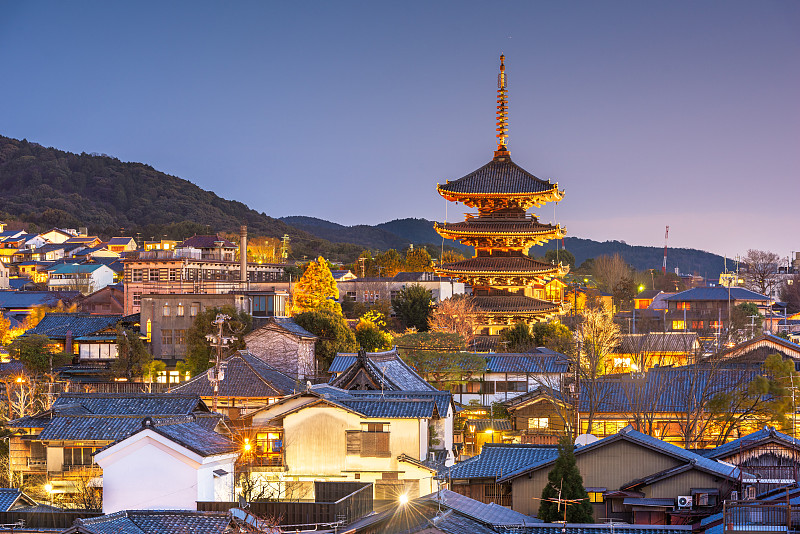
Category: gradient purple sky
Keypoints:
(648, 113)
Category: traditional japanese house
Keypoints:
(508, 286)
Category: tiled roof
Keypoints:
(498, 177)
(245, 376)
(93, 427)
(396, 404)
(513, 304)
(426, 276)
(716, 293)
(750, 441)
(495, 460)
(527, 363)
(55, 325)
(28, 299)
(659, 342)
(206, 241)
(342, 362)
(514, 264)
(10, 496)
(482, 425)
(76, 269)
(188, 434)
(491, 514)
(120, 240)
(629, 434)
(648, 294)
(664, 389)
(493, 227)
(157, 522)
(386, 368)
(288, 323)
(131, 403)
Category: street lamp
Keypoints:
(403, 499)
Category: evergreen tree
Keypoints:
(132, 356)
(566, 479)
(518, 338)
(316, 289)
(413, 307)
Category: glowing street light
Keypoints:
(247, 445)
(403, 499)
(48, 488)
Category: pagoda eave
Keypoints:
(502, 200)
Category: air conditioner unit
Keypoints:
(684, 501)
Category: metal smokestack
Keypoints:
(243, 253)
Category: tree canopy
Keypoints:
(199, 352)
(564, 482)
(332, 332)
(132, 356)
(316, 289)
(413, 306)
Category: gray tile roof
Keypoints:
(629, 434)
(495, 460)
(659, 342)
(288, 324)
(527, 363)
(392, 404)
(386, 368)
(498, 177)
(27, 299)
(492, 514)
(132, 403)
(55, 325)
(103, 427)
(246, 376)
(189, 434)
(11, 496)
(716, 293)
(750, 441)
(206, 241)
(157, 522)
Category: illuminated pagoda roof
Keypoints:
(482, 226)
(501, 264)
(514, 304)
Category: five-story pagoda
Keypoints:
(507, 285)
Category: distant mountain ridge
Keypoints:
(399, 233)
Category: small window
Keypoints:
(180, 337)
(595, 496)
(137, 298)
(678, 325)
(165, 310)
(180, 310)
(538, 423)
(166, 337)
(194, 309)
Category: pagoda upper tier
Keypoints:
(503, 230)
(501, 185)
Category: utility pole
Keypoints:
(217, 373)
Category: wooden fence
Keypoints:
(334, 502)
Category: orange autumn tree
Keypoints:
(316, 290)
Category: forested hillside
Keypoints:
(47, 187)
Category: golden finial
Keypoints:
(502, 107)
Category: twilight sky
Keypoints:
(649, 114)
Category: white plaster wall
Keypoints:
(148, 475)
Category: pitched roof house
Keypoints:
(633, 476)
(375, 371)
(285, 345)
(247, 383)
(167, 463)
(61, 441)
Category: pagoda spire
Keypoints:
(502, 110)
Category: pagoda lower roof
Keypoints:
(500, 227)
(500, 264)
(513, 304)
(501, 176)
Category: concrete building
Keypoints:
(86, 278)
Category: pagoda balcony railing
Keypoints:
(500, 216)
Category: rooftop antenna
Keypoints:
(664, 265)
(502, 111)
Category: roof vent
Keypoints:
(147, 422)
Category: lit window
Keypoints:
(166, 337)
(180, 312)
(194, 309)
(595, 496)
(165, 310)
(678, 325)
(538, 423)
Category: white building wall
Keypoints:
(148, 472)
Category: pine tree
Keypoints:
(565, 477)
(316, 290)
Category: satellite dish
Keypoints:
(585, 439)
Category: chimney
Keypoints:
(243, 252)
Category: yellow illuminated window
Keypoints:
(678, 325)
(595, 496)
